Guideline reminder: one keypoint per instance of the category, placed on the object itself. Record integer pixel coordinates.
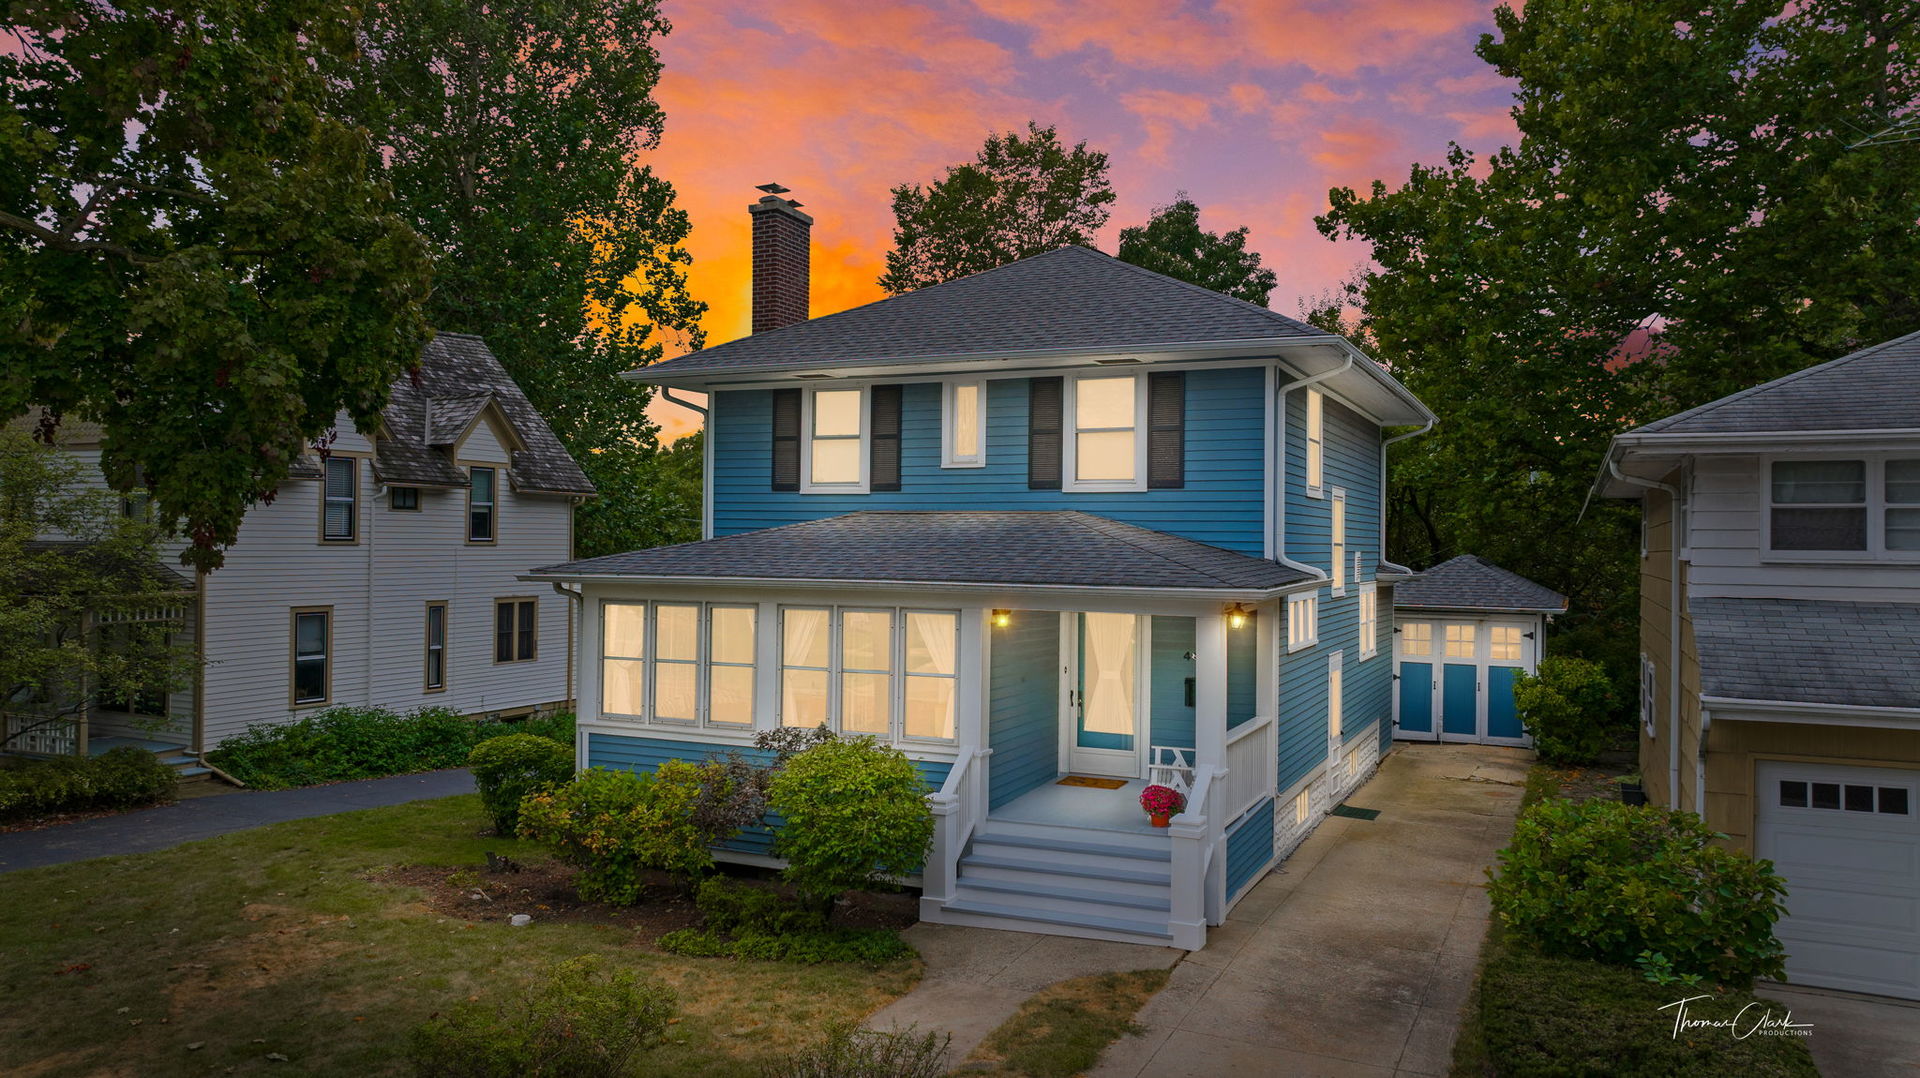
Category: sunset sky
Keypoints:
(1254, 107)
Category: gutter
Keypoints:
(1673, 629)
(1384, 443)
(572, 616)
(1223, 594)
(1278, 492)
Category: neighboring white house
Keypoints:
(384, 572)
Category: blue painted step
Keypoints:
(1151, 929)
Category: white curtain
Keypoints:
(803, 693)
(625, 630)
(931, 642)
(1109, 674)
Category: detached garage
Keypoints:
(1463, 630)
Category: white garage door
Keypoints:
(1847, 841)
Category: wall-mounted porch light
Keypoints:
(1237, 616)
(1002, 618)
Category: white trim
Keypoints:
(807, 485)
(1313, 461)
(1309, 603)
(1070, 431)
(836, 668)
(1369, 615)
(1142, 695)
(1337, 541)
(949, 389)
(1336, 704)
(1726, 708)
(1876, 506)
(1079, 592)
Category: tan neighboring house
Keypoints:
(1780, 640)
(385, 572)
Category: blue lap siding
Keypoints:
(1249, 846)
(1023, 708)
(1220, 504)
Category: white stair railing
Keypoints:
(958, 808)
(1193, 838)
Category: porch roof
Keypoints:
(949, 549)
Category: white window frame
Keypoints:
(708, 663)
(703, 664)
(905, 676)
(950, 457)
(1315, 463)
(837, 660)
(1876, 507)
(807, 438)
(1369, 621)
(1337, 541)
(1336, 703)
(896, 677)
(1070, 431)
(654, 662)
(1649, 698)
(1427, 638)
(1303, 621)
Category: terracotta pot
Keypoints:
(1160, 819)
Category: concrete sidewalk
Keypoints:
(205, 817)
(1357, 954)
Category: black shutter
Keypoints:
(1043, 433)
(786, 439)
(883, 468)
(1166, 431)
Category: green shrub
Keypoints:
(742, 921)
(508, 768)
(557, 726)
(849, 1051)
(616, 824)
(855, 813)
(1606, 881)
(121, 778)
(580, 1023)
(1544, 1016)
(345, 743)
(1567, 708)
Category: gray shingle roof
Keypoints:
(1471, 582)
(459, 376)
(1069, 298)
(1809, 651)
(1061, 548)
(1872, 389)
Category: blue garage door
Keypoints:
(1456, 678)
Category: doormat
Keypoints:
(1356, 813)
(1089, 780)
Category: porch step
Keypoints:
(1141, 839)
(1078, 849)
(1042, 869)
(1048, 896)
(1145, 931)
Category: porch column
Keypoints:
(766, 666)
(1210, 690)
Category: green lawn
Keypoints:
(277, 942)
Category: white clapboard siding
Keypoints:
(1725, 541)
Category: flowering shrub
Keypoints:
(1162, 800)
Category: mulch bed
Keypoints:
(1599, 780)
(545, 891)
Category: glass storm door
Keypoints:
(1105, 696)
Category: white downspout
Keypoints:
(1280, 467)
(1673, 629)
(706, 458)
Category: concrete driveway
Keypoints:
(1355, 956)
(1855, 1036)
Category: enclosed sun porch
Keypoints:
(1036, 711)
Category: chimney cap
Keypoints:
(772, 188)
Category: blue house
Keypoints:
(1056, 530)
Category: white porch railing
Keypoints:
(51, 738)
(958, 810)
(1199, 862)
(1253, 760)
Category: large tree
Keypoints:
(1172, 242)
(1691, 209)
(1020, 196)
(193, 252)
(512, 134)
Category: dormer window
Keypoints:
(1105, 449)
(963, 427)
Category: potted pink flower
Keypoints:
(1161, 802)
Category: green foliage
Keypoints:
(1172, 242)
(199, 257)
(509, 767)
(343, 743)
(615, 825)
(121, 778)
(1020, 196)
(1606, 881)
(1060, 1031)
(52, 662)
(580, 1023)
(1538, 1016)
(1686, 214)
(1567, 706)
(743, 921)
(849, 1051)
(514, 135)
(855, 812)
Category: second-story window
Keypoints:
(1303, 622)
(1369, 621)
(1337, 531)
(836, 429)
(340, 500)
(963, 431)
(1316, 442)
(1840, 507)
(1104, 421)
(482, 496)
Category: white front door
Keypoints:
(1104, 697)
(1847, 841)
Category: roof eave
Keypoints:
(1219, 594)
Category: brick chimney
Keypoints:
(780, 260)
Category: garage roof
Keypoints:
(1471, 582)
(1809, 651)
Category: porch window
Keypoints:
(1337, 529)
(312, 657)
(730, 662)
(933, 673)
(836, 435)
(1303, 622)
(866, 672)
(1416, 639)
(804, 665)
(436, 647)
(623, 659)
(340, 500)
(1104, 416)
(481, 497)
(676, 662)
(1369, 621)
(1316, 442)
(963, 429)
